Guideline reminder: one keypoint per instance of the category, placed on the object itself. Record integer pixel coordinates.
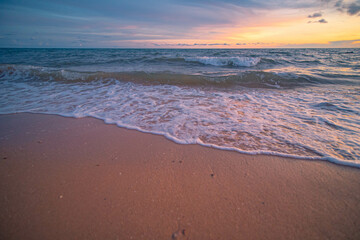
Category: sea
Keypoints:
(300, 103)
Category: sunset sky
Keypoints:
(180, 23)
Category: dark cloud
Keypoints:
(344, 42)
(315, 15)
(319, 21)
(338, 4)
(184, 44)
(352, 8)
(218, 44)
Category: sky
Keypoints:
(180, 23)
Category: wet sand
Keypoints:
(64, 178)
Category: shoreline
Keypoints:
(67, 178)
(176, 141)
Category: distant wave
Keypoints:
(213, 61)
(226, 61)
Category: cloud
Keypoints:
(61, 22)
(183, 44)
(338, 4)
(218, 44)
(315, 15)
(251, 44)
(259, 4)
(352, 8)
(337, 43)
(331, 44)
(193, 44)
(319, 21)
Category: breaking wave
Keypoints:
(251, 79)
(226, 61)
(290, 102)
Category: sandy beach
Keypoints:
(65, 178)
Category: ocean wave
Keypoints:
(226, 61)
(305, 122)
(251, 79)
(288, 102)
(257, 121)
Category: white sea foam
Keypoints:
(288, 113)
(285, 123)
